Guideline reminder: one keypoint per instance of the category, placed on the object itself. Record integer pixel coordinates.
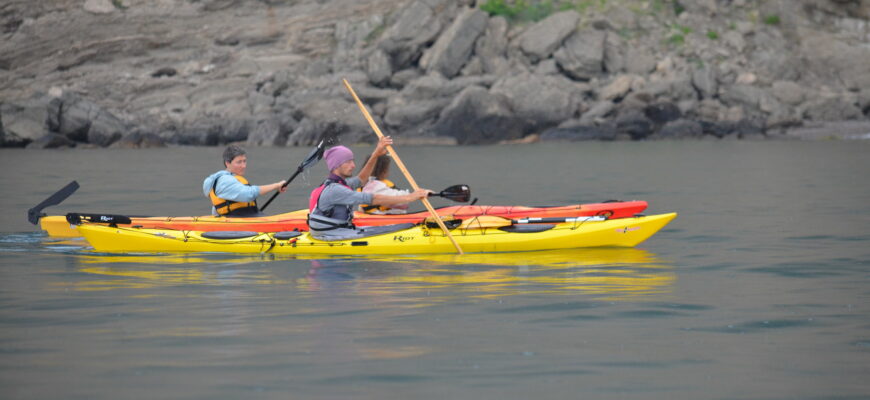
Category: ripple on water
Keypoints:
(801, 269)
(551, 307)
(760, 326)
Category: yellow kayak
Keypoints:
(474, 236)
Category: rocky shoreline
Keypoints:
(147, 73)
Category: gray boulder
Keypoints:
(477, 116)
(490, 48)
(545, 36)
(635, 124)
(599, 110)
(614, 54)
(404, 77)
(544, 101)
(863, 102)
(105, 128)
(378, 67)
(788, 92)
(82, 120)
(680, 129)
(139, 138)
(421, 100)
(51, 141)
(417, 23)
(335, 111)
(200, 133)
(310, 131)
(24, 121)
(351, 37)
(833, 109)
(454, 46)
(582, 55)
(618, 88)
(404, 112)
(639, 61)
(662, 112)
(705, 81)
(745, 95)
(833, 59)
(271, 131)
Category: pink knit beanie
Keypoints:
(336, 156)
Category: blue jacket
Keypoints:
(230, 189)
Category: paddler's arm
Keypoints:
(273, 186)
(380, 150)
(388, 200)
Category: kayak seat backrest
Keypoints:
(229, 234)
(451, 224)
(527, 228)
(286, 235)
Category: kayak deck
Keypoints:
(420, 239)
(57, 225)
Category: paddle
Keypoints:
(493, 221)
(457, 193)
(35, 213)
(401, 165)
(313, 157)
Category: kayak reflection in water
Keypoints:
(331, 204)
(380, 184)
(230, 193)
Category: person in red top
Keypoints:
(331, 204)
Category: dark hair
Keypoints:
(231, 152)
(382, 166)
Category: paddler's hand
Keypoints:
(282, 186)
(421, 193)
(381, 148)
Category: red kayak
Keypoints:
(297, 220)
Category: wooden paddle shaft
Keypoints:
(401, 165)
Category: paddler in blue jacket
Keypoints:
(230, 193)
(331, 204)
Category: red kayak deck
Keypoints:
(297, 220)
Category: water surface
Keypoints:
(758, 290)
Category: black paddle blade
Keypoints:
(35, 213)
(314, 156)
(457, 193)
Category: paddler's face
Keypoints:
(345, 170)
(238, 165)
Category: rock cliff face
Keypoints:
(208, 72)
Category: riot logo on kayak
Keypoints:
(400, 238)
(628, 229)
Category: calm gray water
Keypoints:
(760, 289)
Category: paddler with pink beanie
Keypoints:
(331, 204)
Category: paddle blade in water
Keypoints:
(35, 213)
